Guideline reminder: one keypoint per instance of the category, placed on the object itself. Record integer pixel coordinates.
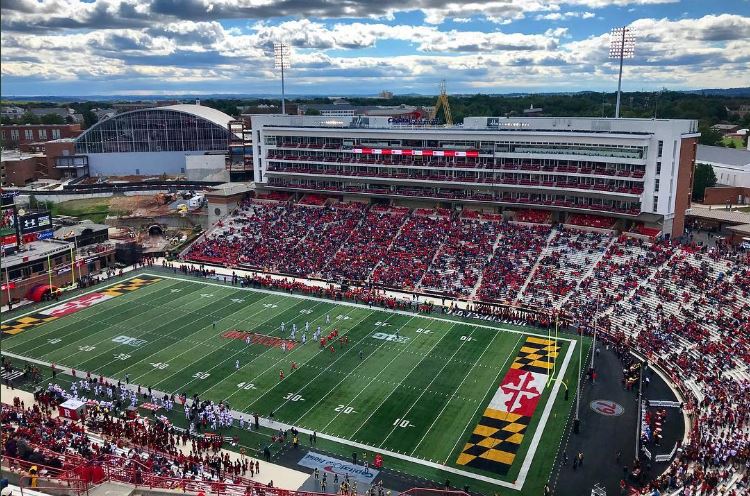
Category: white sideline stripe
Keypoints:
(274, 425)
(366, 307)
(520, 480)
(545, 415)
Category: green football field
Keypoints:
(415, 388)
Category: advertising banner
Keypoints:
(336, 466)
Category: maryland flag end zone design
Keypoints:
(495, 440)
(19, 324)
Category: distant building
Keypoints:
(19, 168)
(66, 114)
(385, 95)
(533, 112)
(339, 108)
(742, 111)
(246, 111)
(732, 167)
(725, 129)
(153, 141)
(41, 161)
(342, 108)
(104, 113)
(12, 112)
(24, 135)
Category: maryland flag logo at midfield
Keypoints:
(495, 440)
(19, 324)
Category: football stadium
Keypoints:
(418, 389)
(372, 301)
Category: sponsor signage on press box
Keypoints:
(336, 466)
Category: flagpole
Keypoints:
(557, 329)
(596, 322)
(7, 283)
(549, 341)
(576, 420)
(638, 424)
(72, 266)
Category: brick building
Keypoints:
(24, 136)
(51, 160)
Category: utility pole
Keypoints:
(577, 420)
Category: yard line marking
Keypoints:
(493, 384)
(99, 318)
(77, 295)
(458, 388)
(275, 315)
(322, 372)
(144, 332)
(69, 323)
(381, 309)
(425, 355)
(405, 415)
(275, 425)
(109, 327)
(394, 384)
(258, 376)
(361, 362)
(248, 317)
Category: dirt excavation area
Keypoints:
(97, 209)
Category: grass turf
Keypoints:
(420, 395)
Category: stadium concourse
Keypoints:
(683, 306)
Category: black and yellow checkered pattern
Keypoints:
(536, 355)
(22, 323)
(14, 326)
(130, 285)
(495, 440)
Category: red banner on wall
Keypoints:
(416, 153)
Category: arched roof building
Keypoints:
(153, 141)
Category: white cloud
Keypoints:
(711, 50)
(560, 16)
(30, 15)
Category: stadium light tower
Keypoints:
(282, 60)
(621, 46)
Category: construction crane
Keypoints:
(442, 101)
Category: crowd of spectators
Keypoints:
(685, 306)
(411, 252)
(459, 263)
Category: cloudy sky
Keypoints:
(87, 47)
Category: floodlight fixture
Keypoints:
(621, 46)
(282, 60)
